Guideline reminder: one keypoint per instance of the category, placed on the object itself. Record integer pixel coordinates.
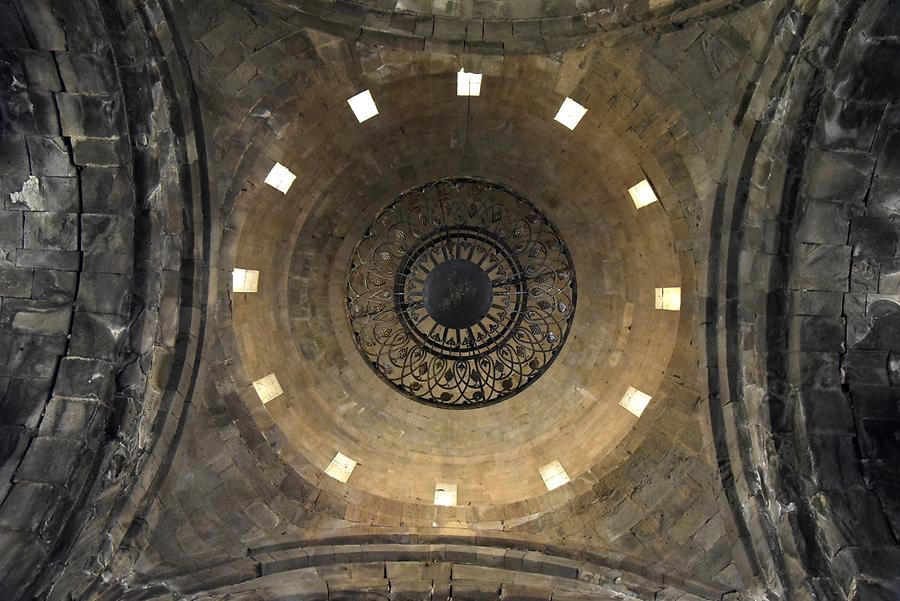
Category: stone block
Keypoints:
(835, 460)
(48, 259)
(40, 70)
(875, 401)
(822, 267)
(826, 411)
(89, 116)
(18, 568)
(99, 152)
(889, 157)
(51, 231)
(16, 282)
(348, 13)
(816, 302)
(12, 35)
(50, 156)
(107, 191)
(24, 402)
(475, 590)
(68, 418)
(874, 237)
(45, 28)
(875, 82)
(34, 355)
(28, 506)
(106, 233)
(884, 198)
(97, 336)
(498, 31)
(36, 317)
(823, 222)
(14, 157)
(819, 333)
(51, 285)
(49, 460)
(449, 29)
(54, 194)
(86, 73)
(866, 367)
(879, 440)
(837, 176)
(11, 229)
(79, 378)
(104, 293)
(29, 112)
(104, 262)
(847, 125)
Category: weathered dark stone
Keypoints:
(55, 194)
(68, 418)
(52, 285)
(48, 259)
(106, 233)
(51, 231)
(84, 379)
(36, 317)
(16, 282)
(24, 401)
(97, 336)
(50, 156)
(100, 152)
(33, 354)
(107, 191)
(89, 116)
(874, 237)
(103, 293)
(49, 460)
(13, 156)
(28, 506)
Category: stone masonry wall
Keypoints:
(66, 265)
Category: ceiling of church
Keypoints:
(450, 299)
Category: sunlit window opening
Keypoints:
(340, 467)
(268, 388)
(445, 494)
(668, 299)
(468, 84)
(635, 401)
(280, 178)
(554, 475)
(642, 194)
(244, 280)
(363, 106)
(570, 113)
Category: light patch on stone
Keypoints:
(280, 178)
(635, 401)
(668, 299)
(268, 388)
(244, 280)
(445, 494)
(554, 475)
(642, 194)
(340, 467)
(468, 84)
(43, 322)
(363, 106)
(29, 195)
(570, 113)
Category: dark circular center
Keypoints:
(458, 294)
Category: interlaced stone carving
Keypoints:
(461, 293)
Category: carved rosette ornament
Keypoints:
(461, 293)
